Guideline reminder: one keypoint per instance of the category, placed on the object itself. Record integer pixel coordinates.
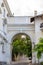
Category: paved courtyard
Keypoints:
(21, 64)
(17, 63)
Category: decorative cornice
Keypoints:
(27, 24)
(9, 29)
(20, 27)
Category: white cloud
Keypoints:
(25, 7)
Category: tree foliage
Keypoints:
(39, 48)
(22, 46)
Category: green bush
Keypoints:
(41, 63)
(22, 46)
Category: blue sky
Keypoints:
(25, 7)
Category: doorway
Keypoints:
(21, 47)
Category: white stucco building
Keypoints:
(11, 25)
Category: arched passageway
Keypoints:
(21, 47)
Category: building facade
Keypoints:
(12, 25)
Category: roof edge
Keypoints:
(33, 18)
(7, 7)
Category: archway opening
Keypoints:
(21, 47)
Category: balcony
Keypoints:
(41, 26)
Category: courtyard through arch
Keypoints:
(21, 47)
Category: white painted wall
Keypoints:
(21, 24)
(15, 25)
(38, 32)
(2, 35)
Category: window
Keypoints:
(0, 11)
(41, 25)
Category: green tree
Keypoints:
(39, 48)
(22, 46)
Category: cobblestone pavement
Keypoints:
(17, 63)
(21, 64)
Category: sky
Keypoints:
(25, 7)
